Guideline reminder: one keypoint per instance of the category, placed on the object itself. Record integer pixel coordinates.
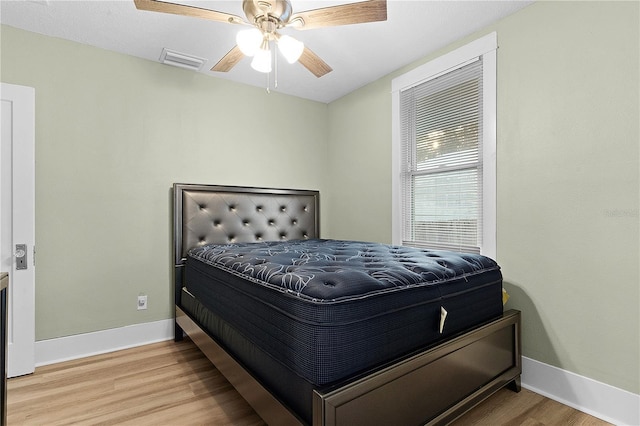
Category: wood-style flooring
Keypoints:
(171, 383)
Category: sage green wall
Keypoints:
(359, 174)
(113, 133)
(568, 172)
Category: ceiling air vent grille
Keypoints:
(177, 59)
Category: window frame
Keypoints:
(484, 47)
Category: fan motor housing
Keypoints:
(271, 10)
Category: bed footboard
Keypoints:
(445, 381)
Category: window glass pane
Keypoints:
(447, 127)
(446, 208)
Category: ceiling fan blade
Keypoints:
(181, 9)
(353, 13)
(313, 63)
(229, 60)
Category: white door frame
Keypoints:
(19, 141)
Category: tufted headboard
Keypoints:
(206, 214)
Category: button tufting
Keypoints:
(259, 208)
(202, 207)
(232, 207)
(294, 222)
(283, 208)
(245, 223)
(271, 222)
(216, 223)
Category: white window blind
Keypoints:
(441, 165)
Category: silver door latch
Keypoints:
(21, 256)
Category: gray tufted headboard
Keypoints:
(206, 214)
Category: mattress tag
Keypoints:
(443, 317)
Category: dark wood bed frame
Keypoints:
(435, 386)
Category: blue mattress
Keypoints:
(327, 310)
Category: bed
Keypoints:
(332, 332)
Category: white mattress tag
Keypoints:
(443, 317)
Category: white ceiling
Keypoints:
(358, 54)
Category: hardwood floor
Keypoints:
(527, 408)
(171, 383)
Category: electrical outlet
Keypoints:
(142, 302)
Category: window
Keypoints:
(444, 151)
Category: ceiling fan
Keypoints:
(267, 17)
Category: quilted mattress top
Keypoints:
(332, 270)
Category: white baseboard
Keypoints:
(83, 345)
(598, 399)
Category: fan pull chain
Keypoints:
(275, 74)
(268, 75)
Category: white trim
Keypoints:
(21, 196)
(489, 243)
(396, 158)
(598, 399)
(445, 63)
(100, 342)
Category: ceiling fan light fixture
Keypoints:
(290, 48)
(268, 17)
(249, 41)
(262, 59)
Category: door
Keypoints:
(17, 218)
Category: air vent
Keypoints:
(177, 59)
